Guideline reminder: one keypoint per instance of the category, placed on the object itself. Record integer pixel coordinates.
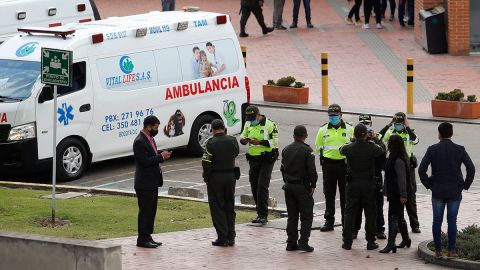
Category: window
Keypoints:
(168, 66)
(79, 78)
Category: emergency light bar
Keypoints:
(41, 30)
(222, 19)
(182, 26)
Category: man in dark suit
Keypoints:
(148, 177)
(446, 183)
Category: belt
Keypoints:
(329, 160)
(222, 170)
(294, 182)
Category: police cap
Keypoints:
(334, 109)
(217, 124)
(399, 117)
(365, 119)
(251, 113)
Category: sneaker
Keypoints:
(255, 220)
(263, 220)
(359, 23)
(349, 21)
(379, 26)
(365, 26)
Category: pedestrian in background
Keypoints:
(330, 137)
(148, 177)
(408, 6)
(261, 135)
(361, 185)
(400, 126)
(296, 9)
(300, 177)
(392, 9)
(446, 183)
(396, 189)
(255, 7)
(168, 5)
(368, 5)
(355, 10)
(218, 164)
(278, 14)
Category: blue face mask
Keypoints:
(398, 126)
(334, 120)
(254, 122)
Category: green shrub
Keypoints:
(286, 81)
(299, 85)
(456, 95)
(271, 82)
(442, 96)
(472, 98)
(468, 243)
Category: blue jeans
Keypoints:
(296, 9)
(168, 5)
(438, 206)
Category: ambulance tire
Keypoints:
(199, 133)
(72, 159)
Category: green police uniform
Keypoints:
(328, 142)
(300, 175)
(361, 186)
(218, 163)
(261, 159)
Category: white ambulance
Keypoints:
(43, 13)
(184, 67)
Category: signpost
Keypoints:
(56, 69)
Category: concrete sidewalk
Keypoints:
(264, 248)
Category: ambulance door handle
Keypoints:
(85, 108)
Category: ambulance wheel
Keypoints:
(72, 159)
(201, 132)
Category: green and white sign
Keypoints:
(57, 67)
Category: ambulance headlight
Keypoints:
(22, 132)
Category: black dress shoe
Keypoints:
(346, 246)
(267, 30)
(147, 245)
(231, 243)
(263, 220)
(405, 243)
(156, 243)
(326, 227)
(219, 243)
(293, 25)
(281, 27)
(243, 34)
(381, 235)
(310, 25)
(416, 230)
(305, 247)
(255, 220)
(371, 245)
(291, 247)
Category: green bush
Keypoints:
(468, 243)
(299, 85)
(271, 82)
(286, 81)
(442, 96)
(472, 98)
(455, 95)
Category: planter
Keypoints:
(285, 94)
(456, 109)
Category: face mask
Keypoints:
(254, 122)
(153, 132)
(334, 120)
(398, 126)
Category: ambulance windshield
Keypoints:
(17, 79)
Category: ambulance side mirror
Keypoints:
(46, 94)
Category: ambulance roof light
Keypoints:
(97, 38)
(39, 30)
(81, 7)
(141, 32)
(191, 9)
(222, 19)
(182, 26)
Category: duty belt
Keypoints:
(329, 160)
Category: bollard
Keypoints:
(324, 79)
(409, 86)
(244, 53)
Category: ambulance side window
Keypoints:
(168, 66)
(78, 79)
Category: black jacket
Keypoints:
(148, 175)
(397, 173)
(361, 156)
(298, 164)
(446, 159)
(219, 155)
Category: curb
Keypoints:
(426, 254)
(312, 108)
(116, 192)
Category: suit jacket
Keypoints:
(446, 180)
(148, 175)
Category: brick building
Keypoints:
(463, 24)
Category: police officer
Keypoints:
(261, 135)
(330, 137)
(218, 172)
(379, 165)
(399, 125)
(255, 7)
(300, 177)
(361, 185)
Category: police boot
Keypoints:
(326, 227)
(293, 25)
(242, 31)
(267, 30)
(309, 24)
(406, 241)
(392, 234)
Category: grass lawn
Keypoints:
(99, 217)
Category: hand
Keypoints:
(254, 142)
(403, 200)
(406, 122)
(373, 134)
(165, 154)
(244, 141)
(312, 190)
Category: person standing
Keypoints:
(396, 189)
(278, 14)
(446, 183)
(255, 7)
(218, 164)
(168, 5)
(330, 137)
(361, 185)
(148, 177)
(296, 9)
(407, 5)
(355, 10)
(261, 135)
(300, 177)
(399, 125)
(379, 166)
(367, 11)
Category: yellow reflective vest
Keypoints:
(329, 140)
(265, 131)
